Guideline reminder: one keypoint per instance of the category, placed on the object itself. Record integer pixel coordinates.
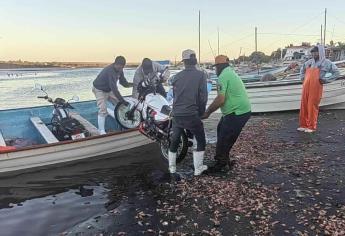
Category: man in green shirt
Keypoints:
(233, 101)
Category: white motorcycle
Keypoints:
(152, 114)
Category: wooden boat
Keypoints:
(285, 95)
(31, 124)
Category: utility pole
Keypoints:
(256, 48)
(321, 36)
(218, 40)
(256, 39)
(324, 32)
(199, 35)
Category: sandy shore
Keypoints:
(284, 183)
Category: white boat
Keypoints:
(285, 95)
(30, 124)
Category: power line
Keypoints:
(311, 35)
(247, 36)
(310, 20)
(338, 19)
(232, 42)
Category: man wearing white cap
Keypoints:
(189, 104)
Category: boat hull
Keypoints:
(16, 124)
(277, 96)
(44, 155)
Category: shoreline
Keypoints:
(56, 65)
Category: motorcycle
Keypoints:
(152, 114)
(63, 126)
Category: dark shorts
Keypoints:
(191, 123)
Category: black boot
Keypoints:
(218, 167)
(221, 166)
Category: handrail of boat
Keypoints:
(297, 74)
(290, 75)
(339, 62)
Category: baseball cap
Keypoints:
(221, 59)
(186, 54)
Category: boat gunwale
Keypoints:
(277, 83)
(38, 146)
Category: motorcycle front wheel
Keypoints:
(181, 150)
(126, 118)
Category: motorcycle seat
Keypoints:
(166, 110)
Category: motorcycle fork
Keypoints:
(130, 113)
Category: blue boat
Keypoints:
(26, 140)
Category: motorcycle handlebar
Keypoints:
(44, 97)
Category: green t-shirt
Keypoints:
(236, 98)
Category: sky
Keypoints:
(97, 31)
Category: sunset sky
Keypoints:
(76, 30)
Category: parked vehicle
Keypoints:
(63, 126)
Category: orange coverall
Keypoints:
(311, 97)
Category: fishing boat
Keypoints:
(285, 95)
(41, 148)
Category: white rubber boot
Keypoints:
(101, 124)
(172, 162)
(195, 144)
(198, 160)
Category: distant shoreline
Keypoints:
(70, 65)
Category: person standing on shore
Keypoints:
(105, 89)
(234, 103)
(189, 103)
(314, 73)
(149, 70)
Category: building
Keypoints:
(294, 53)
(335, 53)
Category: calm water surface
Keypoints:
(54, 200)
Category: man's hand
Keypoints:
(205, 115)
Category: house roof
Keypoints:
(299, 47)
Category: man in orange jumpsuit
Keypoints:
(314, 73)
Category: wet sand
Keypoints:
(284, 183)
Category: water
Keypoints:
(57, 199)
(52, 201)
(17, 86)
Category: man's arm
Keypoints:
(124, 82)
(203, 95)
(334, 71)
(114, 88)
(138, 76)
(215, 105)
(161, 69)
(219, 100)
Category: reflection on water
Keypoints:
(50, 201)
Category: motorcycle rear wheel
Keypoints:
(121, 116)
(181, 151)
